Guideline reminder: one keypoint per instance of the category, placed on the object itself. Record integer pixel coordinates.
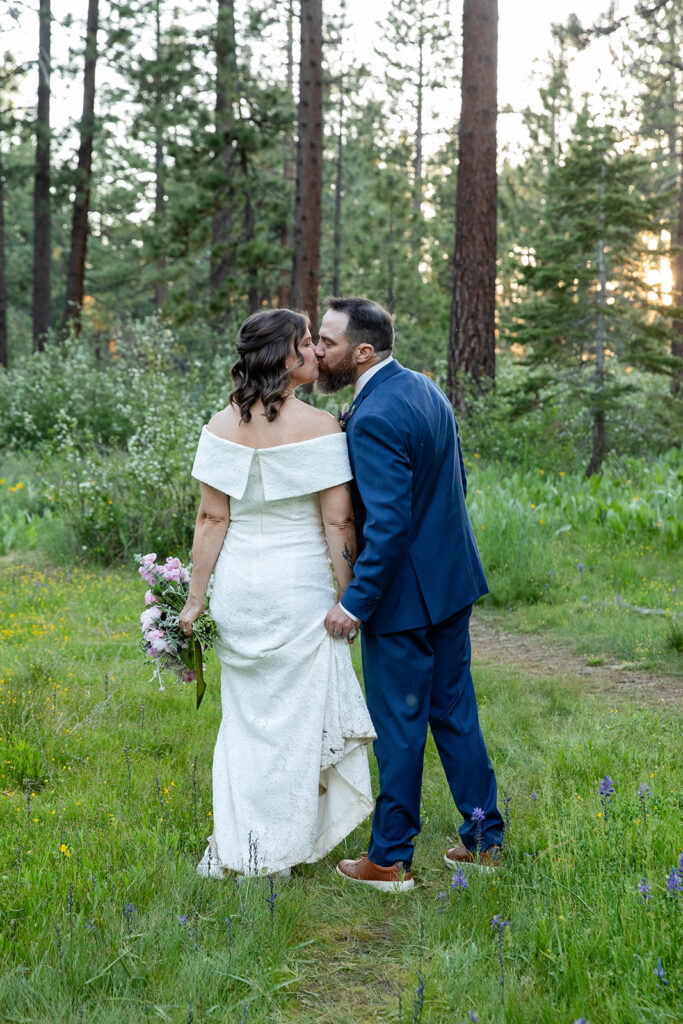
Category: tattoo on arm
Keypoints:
(347, 556)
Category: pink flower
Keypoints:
(157, 641)
(150, 598)
(149, 559)
(147, 574)
(148, 618)
(172, 570)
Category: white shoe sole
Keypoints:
(466, 865)
(405, 886)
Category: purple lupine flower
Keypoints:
(499, 927)
(478, 817)
(606, 792)
(442, 897)
(581, 567)
(644, 791)
(533, 796)
(645, 890)
(473, 1017)
(674, 881)
(459, 880)
(680, 862)
(582, 1020)
(606, 786)
(183, 920)
(659, 972)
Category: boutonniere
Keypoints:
(343, 415)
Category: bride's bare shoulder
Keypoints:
(316, 422)
(225, 422)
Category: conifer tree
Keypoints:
(588, 309)
(471, 347)
(42, 222)
(75, 283)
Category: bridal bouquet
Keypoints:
(164, 643)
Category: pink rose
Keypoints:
(172, 570)
(150, 598)
(148, 618)
(157, 641)
(147, 574)
(149, 559)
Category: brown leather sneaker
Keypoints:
(392, 879)
(460, 856)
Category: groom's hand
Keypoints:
(339, 625)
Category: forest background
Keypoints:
(177, 217)
(133, 241)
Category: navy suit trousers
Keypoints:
(413, 679)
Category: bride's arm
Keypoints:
(340, 531)
(213, 519)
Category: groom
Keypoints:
(416, 577)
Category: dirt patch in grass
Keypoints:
(546, 658)
(357, 976)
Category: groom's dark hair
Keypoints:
(369, 323)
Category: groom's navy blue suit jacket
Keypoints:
(418, 561)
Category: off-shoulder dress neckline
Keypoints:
(270, 448)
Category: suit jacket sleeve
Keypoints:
(384, 479)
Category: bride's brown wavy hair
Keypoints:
(264, 344)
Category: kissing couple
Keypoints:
(287, 496)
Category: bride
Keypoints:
(290, 768)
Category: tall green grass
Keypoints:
(103, 918)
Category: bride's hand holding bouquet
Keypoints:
(175, 633)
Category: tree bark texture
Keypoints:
(308, 203)
(471, 347)
(42, 224)
(285, 289)
(222, 241)
(75, 282)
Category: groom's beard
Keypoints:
(334, 380)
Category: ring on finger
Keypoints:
(352, 633)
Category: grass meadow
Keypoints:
(105, 802)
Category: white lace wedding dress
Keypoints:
(290, 768)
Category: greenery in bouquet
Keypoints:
(163, 641)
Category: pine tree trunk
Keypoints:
(307, 209)
(339, 181)
(42, 240)
(285, 289)
(222, 242)
(677, 271)
(598, 412)
(471, 348)
(4, 355)
(160, 284)
(75, 282)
